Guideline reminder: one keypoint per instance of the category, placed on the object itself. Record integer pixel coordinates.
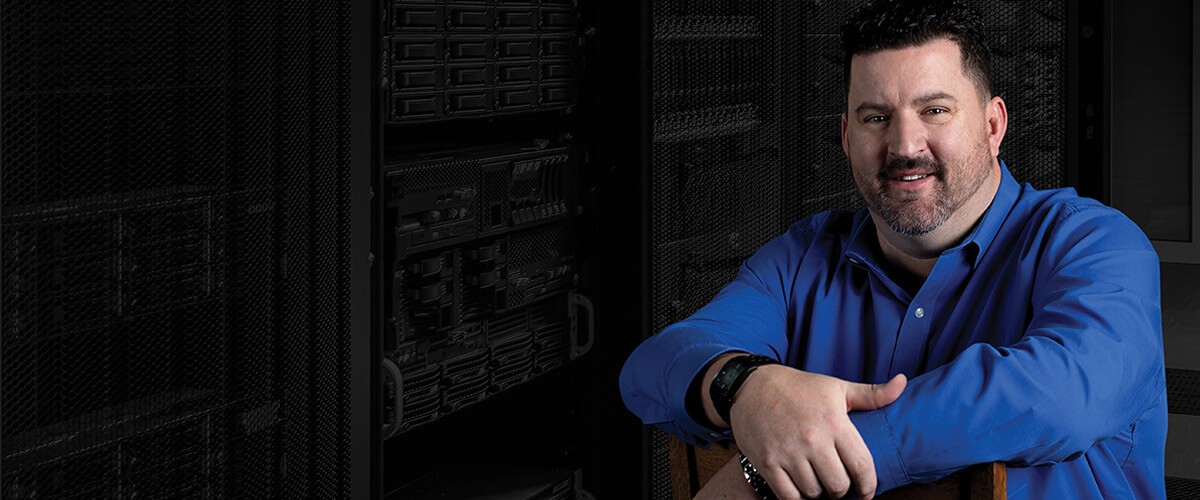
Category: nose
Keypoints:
(905, 137)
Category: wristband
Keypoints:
(730, 378)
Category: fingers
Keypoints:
(796, 424)
(873, 396)
(806, 481)
(859, 464)
(831, 472)
(825, 474)
(781, 483)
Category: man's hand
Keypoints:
(793, 426)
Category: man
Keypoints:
(1009, 324)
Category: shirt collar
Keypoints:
(993, 218)
(863, 247)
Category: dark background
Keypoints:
(401, 248)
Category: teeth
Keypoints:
(913, 177)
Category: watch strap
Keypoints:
(757, 483)
(731, 377)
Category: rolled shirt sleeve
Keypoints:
(1036, 341)
(749, 314)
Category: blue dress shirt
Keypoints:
(1037, 341)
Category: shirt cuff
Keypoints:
(877, 434)
(685, 370)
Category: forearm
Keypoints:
(1087, 364)
(1044, 400)
(746, 316)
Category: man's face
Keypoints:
(917, 134)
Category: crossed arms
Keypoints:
(1086, 364)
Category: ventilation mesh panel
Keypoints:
(1182, 489)
(1183, 391)
(175, 303)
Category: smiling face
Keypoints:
(921, 139)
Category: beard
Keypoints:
(913, 213)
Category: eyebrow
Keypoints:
(925, 99)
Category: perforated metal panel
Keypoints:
(1183, 391)
(1182, 489)
(746, 104)
(1029, 66)
(175, 249)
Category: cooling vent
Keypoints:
(1182, 489)
(466, 379)
(707, 123)
(421, 384)
(466, 392)
(465, 366)
(97, 261)
(512, 360)
(551, 326)
(550, 345)
(511, 323)
(422, 396)
(418, 411)
(1183, 391)
(162, 450)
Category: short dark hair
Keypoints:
(897, 24)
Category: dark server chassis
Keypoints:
(483, 309)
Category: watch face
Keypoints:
(730, 378)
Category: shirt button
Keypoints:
(920, 313)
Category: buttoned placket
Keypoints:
(915, 327)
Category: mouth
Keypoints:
(909, 181)
(910, 174)
(910, 169)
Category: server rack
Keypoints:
(184, 257)
(487, 217)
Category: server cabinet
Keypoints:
(495, 365)
(184, 256)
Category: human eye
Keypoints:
(875, 119)
(937, 114)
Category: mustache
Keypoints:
(894, 166)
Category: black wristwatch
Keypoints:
(730, 378)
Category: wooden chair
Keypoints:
(691, 467)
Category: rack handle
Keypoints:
(576, 300)
(393, 371)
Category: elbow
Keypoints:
(1071, 426)
(631, 393)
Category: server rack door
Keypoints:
(177, 237)
(483, 215)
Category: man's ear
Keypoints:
(845, 145)
(997, 118)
